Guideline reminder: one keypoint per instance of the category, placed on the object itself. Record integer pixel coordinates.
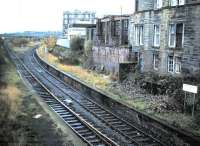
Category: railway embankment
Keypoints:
(141, 118)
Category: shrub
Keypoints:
(77, 44)
(70, 57)
(50, 43)
(19, 42)
(74, 54)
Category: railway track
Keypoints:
(82, 128)
(131, 133)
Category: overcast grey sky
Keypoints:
(43, 15)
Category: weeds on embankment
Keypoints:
(156, 106)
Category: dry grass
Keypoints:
(23, 48)
(11, 91)
(91, 78)
(102, 83)
(11, 95)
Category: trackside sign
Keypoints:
(190, 88)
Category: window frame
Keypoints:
(176, 61)
(177, 3)
(169, 41)
(139, 34)
(136, 36)
(158, 4)
(173, 3)
(155, 35)
(170, 66)
(154, 61)
(126, 24)
(169, 33)
(114, 28)
(141, 28)
(182, 42)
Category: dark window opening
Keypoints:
(99, 28)
(136, 5)
(113, 28)
(179, 35)
(136, 56)
(92, 34)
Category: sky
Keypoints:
(46, 15)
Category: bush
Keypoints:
(77, 44)
(74, 54)
(20, 42)
(69, 57)
(50, 43)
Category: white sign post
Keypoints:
(190, 89)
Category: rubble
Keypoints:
(168, 96)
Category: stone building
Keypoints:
(111, 42)
(165, 36)
(112, 30)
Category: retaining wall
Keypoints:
(170, 136)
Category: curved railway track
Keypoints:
(82, 128)
(132, 134)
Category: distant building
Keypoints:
(165, 36)
(75, 23)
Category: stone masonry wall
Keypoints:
(110, 57)
(190, 53)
